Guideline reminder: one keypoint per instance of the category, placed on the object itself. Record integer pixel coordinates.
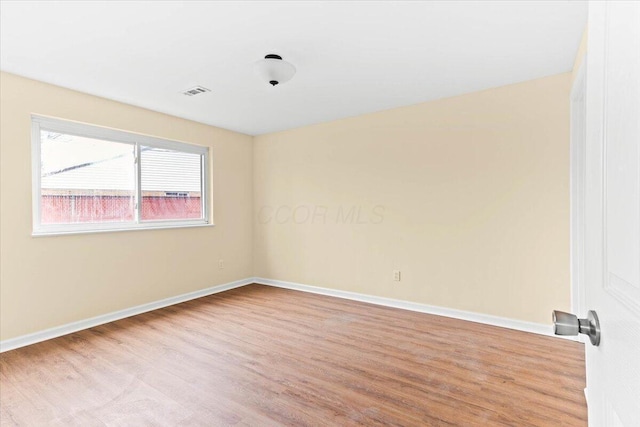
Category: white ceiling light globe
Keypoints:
(274, 70)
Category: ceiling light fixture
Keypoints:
(274, 70)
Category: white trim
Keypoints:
(577, 190)
(503, 322)
(47, 334)
(115, 135)
(136, 140)
(35, 173)
(113, 227)
(586, 396)
(58, 331)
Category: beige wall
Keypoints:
(473, 193)
(467, 196)
(50, 281)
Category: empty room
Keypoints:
(320, 213)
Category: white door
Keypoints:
(612, 212)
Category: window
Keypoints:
(87, 178)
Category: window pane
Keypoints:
(171, 184)
(85, 180)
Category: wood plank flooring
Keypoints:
(264, 356)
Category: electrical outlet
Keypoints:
(220, 264)
(396, 275)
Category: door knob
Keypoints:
(569, 324)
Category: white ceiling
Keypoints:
(352, 57)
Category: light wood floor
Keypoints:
(264, 356)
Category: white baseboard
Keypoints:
(519, 325)
(48, 334)
(24, 340)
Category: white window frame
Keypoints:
(39, 123)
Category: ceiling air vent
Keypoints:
(196, 90)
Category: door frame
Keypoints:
(577, 189)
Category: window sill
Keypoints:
(137, 227)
